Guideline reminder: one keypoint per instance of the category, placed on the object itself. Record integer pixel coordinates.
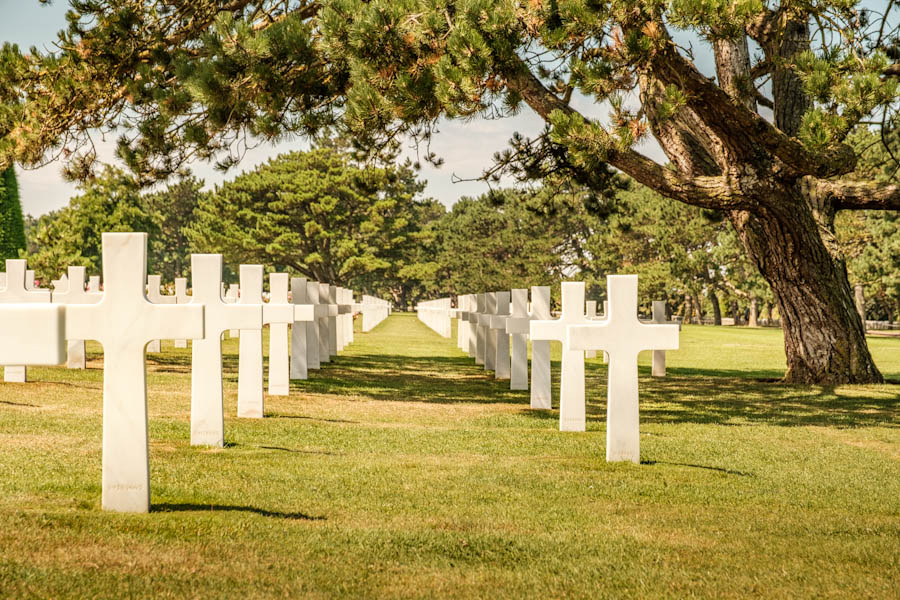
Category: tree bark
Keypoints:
(753, 321)
(698, 308)
(823, 335)
(717, 309)
(735, 312)
(688, 315)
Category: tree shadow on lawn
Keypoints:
(731, 400)
(686, 395)
(443, 380)
(189, 507)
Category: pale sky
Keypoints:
(466, 148)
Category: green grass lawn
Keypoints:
(402, 470)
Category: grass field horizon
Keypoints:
(402, 469)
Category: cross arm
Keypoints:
(278, 313)
(240, 316)
(518, 325)
(304, 312)
(552, 330)
(171, 322)
(32, 334)
(499, 322)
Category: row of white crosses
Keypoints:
(493, 329)
(374, 311)
(436, 315)
(618, 333)
(125, 322)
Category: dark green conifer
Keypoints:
(12, 226)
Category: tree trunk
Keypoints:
(698, 309)
(753, 321)
(823, 335)
(717, 310)
(735, 312)
(688, 314)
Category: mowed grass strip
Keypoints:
(402, 469)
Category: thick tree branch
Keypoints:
(857, 195)
(763, 101)
(734, 123)
(708, 192)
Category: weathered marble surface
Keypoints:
(623, 337)
(124, 321)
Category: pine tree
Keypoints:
(12, 226)
(318, 215)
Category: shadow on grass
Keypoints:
(282, 416)
(169, 358)
(734, 401)
(730, 401)
(705, 467)
(294, 450)
(25, 404)
(443, 380)
(187, 507)
(688, 395)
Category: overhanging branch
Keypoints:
(734, 123)
(708, 192)
(858, 195)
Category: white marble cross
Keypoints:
(29, 280)
(299, 354)
(124, 322)
(571, 383)
(471, 325)
(279, 312)
(501, 337)
(207, 411)
(154, 282)
(351, 318)
(541, 389)
(250, 355)
(658, 364)
(623, 336)
(333, 321)
(481, 317)
(279, 359)
(344, 309)
(324, 324)
(591, 313)
(74, 293)
(231, 297)
(490, 335)
(460, 313)
(345, 297)
(181, 297)
(18, 291)
(517, 326)
(313, 332)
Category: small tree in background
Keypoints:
(12, 226)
